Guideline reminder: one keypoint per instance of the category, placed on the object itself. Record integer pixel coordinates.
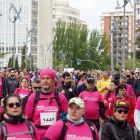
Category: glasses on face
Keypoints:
(120, 111)
(24, 81)
(37, 88)
(112, 85)
(11, 105)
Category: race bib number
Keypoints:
(48, 118)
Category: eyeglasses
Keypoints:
(37, 88)
(11, 105)
(24, 81)
(120, 111)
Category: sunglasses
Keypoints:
(120, 111)
(37, 87)
(11, 105)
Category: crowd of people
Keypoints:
(60, 105)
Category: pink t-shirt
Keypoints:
(109, 100)
(74, 132)
(1, 87)
(22, 93)
(1, 109)
(44, 106)
(16, 128)
(91, 100)
(129, 90)
(138, 104)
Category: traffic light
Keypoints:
(78, 62)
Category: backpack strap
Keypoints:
(94, 134)
(31, 128)
(3, 131)
(64, 130)
(113, 100)
(57, 99)
(130, 129)
(37, 93)
(107, 95)
(113, 130)
(130, 97)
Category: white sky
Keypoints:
(90, 10)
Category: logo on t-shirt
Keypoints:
(14, 138)
(90, 99)
(47, 108)
(74, 137)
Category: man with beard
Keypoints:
(11, 83)
(26, 74)
(45, 105)
(67, 88)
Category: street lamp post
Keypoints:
(125, 3)
(42, 54)
(115, 27)
(50, 49)
(14, 21)
(63, 56)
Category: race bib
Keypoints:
(48, 118)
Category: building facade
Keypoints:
(106, 24)
(33, 13)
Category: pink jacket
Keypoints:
(59, 84)
(16, 128)
(74, 132)
(109, 100)
(129, 90)
(28, 76)
(91, 100)
(44, 106)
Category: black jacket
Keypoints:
(11, 85)
(68, 94)
(136, 87)
(131, 81)
(121, 129)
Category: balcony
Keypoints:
(125, 38)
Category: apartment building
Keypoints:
(106, 23)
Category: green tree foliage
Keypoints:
(23, 65)
(16, 64)
(28, 62)
(72, 40)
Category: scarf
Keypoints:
(14, 119)
(75, 122)
(118, 95)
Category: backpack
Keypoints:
(115, 133)
(56, 97)
(64, 130)
(4, 134)
(117, 77)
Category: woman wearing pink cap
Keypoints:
(73, 125)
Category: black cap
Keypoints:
(121, 103)
(90, 79)
(132, 72)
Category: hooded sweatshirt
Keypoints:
(75, 131)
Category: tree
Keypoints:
(16, 64)
(9, 63)
(28, 62)
(23, 65)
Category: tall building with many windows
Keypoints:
(37, 13)
(106, 23)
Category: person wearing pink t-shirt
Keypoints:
(137, 114)
(24, 90)
(1, 84)
(109, 96)
(94, 106)
(15, 122)
(123, 80)
(47, 110)
(73, 125)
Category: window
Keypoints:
(34, 22)
(102, 18)
(1, 40)
(21, 31)
(2, 4)
(35, 4)
(1, 32)
(35, 13)
(24, 22)
(22, 40)
(9, 41)
(138, 11)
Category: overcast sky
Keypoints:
(90, 10)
